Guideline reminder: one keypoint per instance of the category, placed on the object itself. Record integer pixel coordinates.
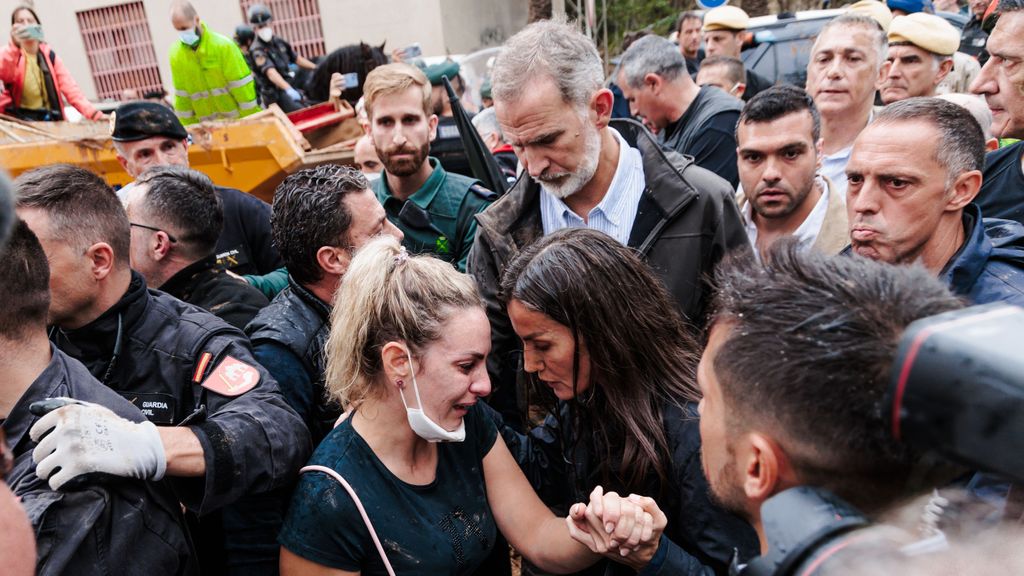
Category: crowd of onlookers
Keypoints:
(659, 341)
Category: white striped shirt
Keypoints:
(615, 213)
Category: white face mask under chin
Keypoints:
(422, 425)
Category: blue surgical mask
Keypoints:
(421, 424)
(189, 37)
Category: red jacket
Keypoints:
(12, 74)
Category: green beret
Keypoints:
(485, 89)
(436, 72)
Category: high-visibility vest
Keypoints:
(212, 81)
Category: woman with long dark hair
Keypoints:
(600, 332)
(415, 476)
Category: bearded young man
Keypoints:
(397, 98)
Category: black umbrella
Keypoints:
(481, 161)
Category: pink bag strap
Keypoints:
(359, 506)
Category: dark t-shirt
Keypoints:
(444, 527)
(1002, 190)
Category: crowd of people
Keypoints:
(666, 348)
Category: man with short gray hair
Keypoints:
(176, 217)
(913, 175)
(847, 65)
(692, 120)
(920, 56)
(584, 169)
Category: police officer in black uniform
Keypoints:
(139, 523)
(224, 429)
(244, 37)
(272, 59)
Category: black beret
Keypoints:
(140, 120)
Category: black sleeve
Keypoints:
(252, 442)
(539, 455)
(701, 536)
(715, 150)
(247, 223)
(120, 527)
(503, 361)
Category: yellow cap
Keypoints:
(873, 9)
(726, 18)
(926, 31)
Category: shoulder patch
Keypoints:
(232, 377)
(483, 193)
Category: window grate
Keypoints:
(120, 50)
(297, 21)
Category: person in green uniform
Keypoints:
(434, 208)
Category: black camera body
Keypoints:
(957, 388)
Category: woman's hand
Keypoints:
(626, 530)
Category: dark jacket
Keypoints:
(288, 337)
(989, 267)
(707, 132)
(245, 245)
(153, 347)
(207, 286)
(702, 536)
(107, 526)
(686, 222)
(973, 40)
(755, 84)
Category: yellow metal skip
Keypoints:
(252, 155)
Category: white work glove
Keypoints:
(81, 437)
(293, 94)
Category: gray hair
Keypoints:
(961, 145)
(651, 55)
(486, 123)
(552, 48)
(976, 106)
(851, 19)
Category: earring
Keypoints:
(399, 383)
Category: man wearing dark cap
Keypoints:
(447, 146)
(272, 58)
(176, 218)
(147, 134)
(724, 30)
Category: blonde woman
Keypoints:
(408, 345)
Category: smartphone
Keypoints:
(32, 32)
(411, 51)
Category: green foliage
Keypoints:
(630, 16)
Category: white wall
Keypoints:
(440, 26)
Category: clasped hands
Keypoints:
(625, 529)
